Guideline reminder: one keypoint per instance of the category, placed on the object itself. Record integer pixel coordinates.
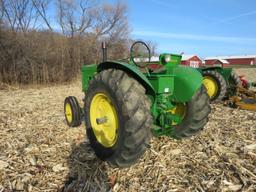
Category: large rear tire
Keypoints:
(215, 85)
(195, 115)
(117, 117)
(234, 81)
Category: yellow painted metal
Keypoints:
(211, 86)
(68, 112)
(242, 104)
(246, 106)
(179, 110)
(104, 120)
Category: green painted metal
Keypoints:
(181, 86)
(170, 61)
(187, 81)
(162, 83)
(162, 116)
(176, 84)
(88, 71)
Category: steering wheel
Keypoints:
(140, 54)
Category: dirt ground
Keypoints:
(39, 152)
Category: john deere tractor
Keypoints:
(220, 83)
(126, 101)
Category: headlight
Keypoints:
(167, 58)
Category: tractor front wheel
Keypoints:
(194, 114)
(72, 110)
(117, 117)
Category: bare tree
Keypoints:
(152, 46)
(79, 17)
(75, 16)
(41, 8)
(60, 12)
(19, 15)
(1, 12)
(111, 21)
(8, 14)
(30, 55)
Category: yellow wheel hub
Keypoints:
(104, 120)
(68, 112)
(179, 110)
(211, 86)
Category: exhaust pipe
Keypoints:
(104, 52)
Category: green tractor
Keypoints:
(126, 101)
(220, 83)
(223, 84)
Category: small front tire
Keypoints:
(72, 112)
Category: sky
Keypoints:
(201, 27)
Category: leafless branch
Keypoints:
(75, 17)
(60, 15)
(18, 15)
(41, 7)
(111, 19)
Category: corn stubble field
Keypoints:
(39, 152)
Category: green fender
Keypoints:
(187, 81)
(131, 70)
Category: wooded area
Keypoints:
(37, 48)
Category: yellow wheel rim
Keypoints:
(179, 110)
(68, 112)
(211, 86)
(104, 120)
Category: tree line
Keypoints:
(43, 41)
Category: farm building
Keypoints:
(231, 60)
(192, 61)
(220, 63)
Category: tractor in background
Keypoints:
(220, 82)
(127, 101)
(224, 85)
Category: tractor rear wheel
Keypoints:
(234, 78)
(117, 117)
(234, 81)
(194, 114)
(215, 85)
